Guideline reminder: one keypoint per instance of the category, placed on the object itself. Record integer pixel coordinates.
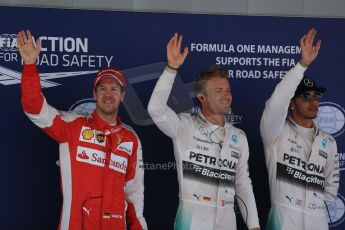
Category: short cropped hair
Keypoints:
(201, 79)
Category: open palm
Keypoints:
(28, 51)
(174, 55)
(309, 51)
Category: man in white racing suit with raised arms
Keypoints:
(302, 160)
(210, 153)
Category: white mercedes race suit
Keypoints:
(301, 179)
(210, 171)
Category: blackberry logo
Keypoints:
(197, 168)
(337, 211)
(290, 170)
(331, 118)
(8, 42)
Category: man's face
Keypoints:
(306, 105)
(217, 96)
(108, 96)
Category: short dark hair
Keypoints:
(201, 79)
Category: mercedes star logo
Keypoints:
(308, 82)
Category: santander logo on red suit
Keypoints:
(97, 158)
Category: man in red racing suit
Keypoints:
(100, 157)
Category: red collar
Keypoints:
(104, 126)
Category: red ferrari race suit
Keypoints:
(100, 164)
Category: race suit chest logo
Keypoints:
(118, 163)
(87, 134)
(234, 139)
(294, 148)
(311, 167)
(222, 172)
(235, 155)
(212, 161)
(324, 143)
(291, 200)
(92, 136)
(234, 143)
(118, 139)
(203, 140)
(100, 138)
(125, 147)
(90, 156)
(295, 170)
(97, 158)
(318, 203)
(323, 154)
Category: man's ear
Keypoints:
(200, 97)
(94, 94)
(292, 104)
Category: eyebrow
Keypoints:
(221, 88)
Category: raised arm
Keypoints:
(276, 108)
(34, 104)
(309, 51)
(163, 116)
(32, 99)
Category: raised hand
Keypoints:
(309, 51)
(26, 47)
(174, 55)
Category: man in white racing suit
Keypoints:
(211, 154)
(302, 160)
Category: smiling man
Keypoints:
(302, 160)
(210, 153)
(100, 157)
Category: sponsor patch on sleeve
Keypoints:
(126, 147)
(323, 154)
(235, 155)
